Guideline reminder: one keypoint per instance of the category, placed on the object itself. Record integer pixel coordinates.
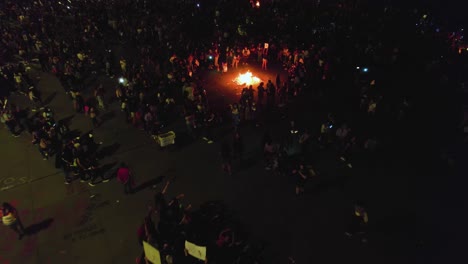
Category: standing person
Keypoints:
(208, 127)
(75, 150)
(190, 124)
(66, 160)
(99, 94)
(3, 103)
(250, 93)
(304, 141)
(226, 156)
(293, 130)
(48, 116)
(325, 134)
(358, 223)
(125, 177)
(44, 147)
(90, 146)
(350, 151)
(248, 111)
(245, 56)
(278, 81)
(254, 114)
(264, 61)
(160, 203)
(342, 135)
(269, 151)
(119, 93)
(148, 123)
(237, 145)
(235, 115)
(79, 163)
(79, 102)
(35, 98)
(11, 219)
(235, 61)
(93, 116)
(108, 67)
(84, 163)
(18, 82)
(61, 130)
(271, 90)
(282, 94)
(10, 122)
(372, 108)
(21, 115)
(301, 178)
(260, 93)
(216, 60)
(259, 52)
(123, 66)
(95, 171)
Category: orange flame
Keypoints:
(247, 79)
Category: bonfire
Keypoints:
(247, 79)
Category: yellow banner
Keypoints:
(152, 254)
(195, 251)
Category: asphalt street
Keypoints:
(78, 224)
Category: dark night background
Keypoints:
(413, 189)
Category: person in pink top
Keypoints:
(124, 176)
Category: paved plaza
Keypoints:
(78, 224)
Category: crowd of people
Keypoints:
(210, 225)
(159, 82)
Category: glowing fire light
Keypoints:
(247, 79)
(257, 4)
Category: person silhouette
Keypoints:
(11, 219)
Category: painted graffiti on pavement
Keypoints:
(10, 182)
